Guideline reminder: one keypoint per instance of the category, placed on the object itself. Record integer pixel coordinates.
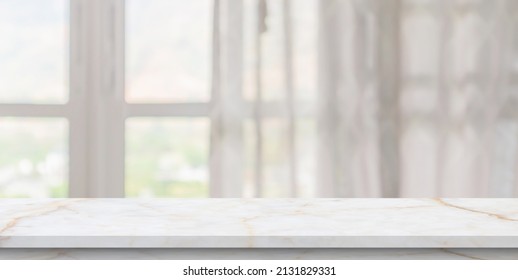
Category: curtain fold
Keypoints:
(348, 130)
(365, 98)
(451, 89)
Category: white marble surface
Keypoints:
(259, 223)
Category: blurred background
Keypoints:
(273, 98)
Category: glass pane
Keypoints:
(167, 157)
(168, 50)
(34, 48)
(34, 157)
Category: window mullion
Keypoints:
(79, 181)
(97, 101)
(226, 159)
(108, 114)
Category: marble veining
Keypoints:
(259, 223)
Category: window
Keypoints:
(257, 98)
(118, 107)
(35, 98)
(170, 98)
(167, 92)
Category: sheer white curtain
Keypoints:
(365, 98)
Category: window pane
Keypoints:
(34, 51)
(168, 50)
(34, 157)
(167, 157)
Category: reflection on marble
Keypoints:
(259, 223)
(259, 254)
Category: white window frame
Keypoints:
(103, 119)
(95, 107)
(97, 111)
(73, 111)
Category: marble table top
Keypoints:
(259, 223)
